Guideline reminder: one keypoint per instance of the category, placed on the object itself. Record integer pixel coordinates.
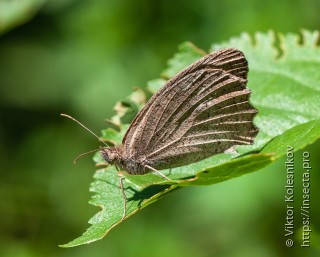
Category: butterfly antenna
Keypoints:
(69, 117)
(80, 155)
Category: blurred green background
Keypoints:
(81, 57)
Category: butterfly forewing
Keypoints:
(202, 111)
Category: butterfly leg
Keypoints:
(158, 172)
(124, 198)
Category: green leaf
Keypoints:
(286, 90)
(128, 108)
(108, 197)
(297, 137)
(188, 53)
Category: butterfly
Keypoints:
(202, 111)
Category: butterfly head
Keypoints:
(110, 155)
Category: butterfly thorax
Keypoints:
(118, 157)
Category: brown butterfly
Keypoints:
(202, 111)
